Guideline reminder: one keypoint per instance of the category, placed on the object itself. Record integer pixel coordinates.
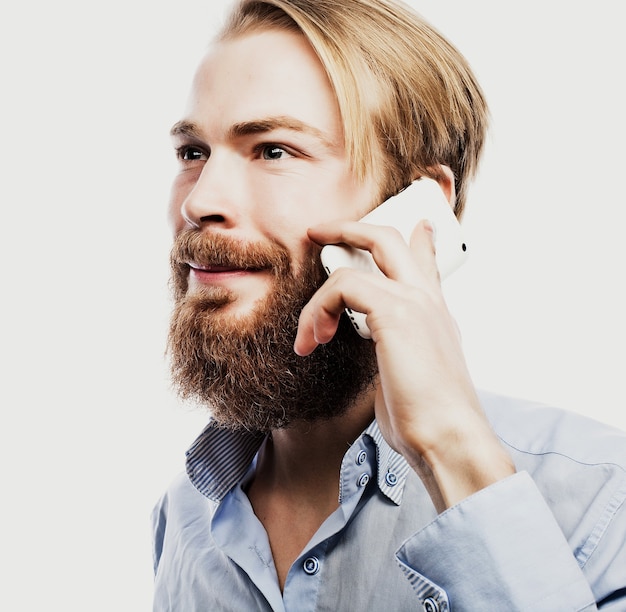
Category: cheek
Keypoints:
(290, 234)
(303, 252)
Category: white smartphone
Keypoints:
(423, 199)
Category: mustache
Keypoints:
(214, 249)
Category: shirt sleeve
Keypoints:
(159, 522)
(500, 549)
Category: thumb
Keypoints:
(423, 248)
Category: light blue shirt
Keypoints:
(550, 538)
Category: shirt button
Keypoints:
(430, 605)
(361, 458)
(311, 566)
(363, 480)
(391, 479)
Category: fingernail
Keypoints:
(430, 227)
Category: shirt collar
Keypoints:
(219, 459)
(392, 468)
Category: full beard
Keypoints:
(243, 367)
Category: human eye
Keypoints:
(190, 153)
(272, 152)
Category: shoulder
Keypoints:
(182, 497)
(180, 507)
(578, 464)
(532, 428)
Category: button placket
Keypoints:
(311, 566)
(430, 604)
(363, 480)
(357, 469)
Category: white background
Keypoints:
(90, 432)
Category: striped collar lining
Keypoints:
(219, 459)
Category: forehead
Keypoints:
(263, 74)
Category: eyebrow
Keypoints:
(256, 126)
(185, 128)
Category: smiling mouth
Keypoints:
(220, 269)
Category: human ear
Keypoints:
(445, 177)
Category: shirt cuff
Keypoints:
(500, 549)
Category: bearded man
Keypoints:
(338, 473)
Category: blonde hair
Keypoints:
(407, 98)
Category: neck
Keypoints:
(307, 454)
(302, 462)
(297, 480)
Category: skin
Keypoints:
(283, 176)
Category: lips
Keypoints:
(220, 268)
(218, 274)
(211, 258)
(213, 268)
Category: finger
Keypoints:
(317, 325)
(305, 342)
(386, 245)
(319, 318)
(423, 249)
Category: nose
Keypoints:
(212, 198)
